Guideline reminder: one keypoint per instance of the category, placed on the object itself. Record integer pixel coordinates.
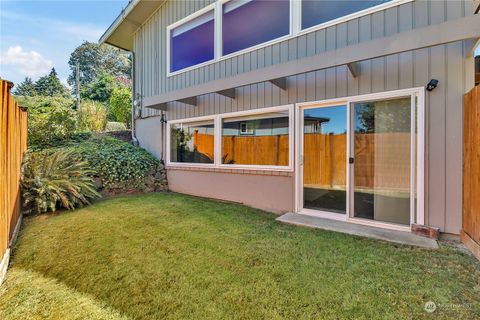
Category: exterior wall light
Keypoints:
(432, 84)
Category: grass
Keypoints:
(170, 256)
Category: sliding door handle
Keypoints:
(351, 160)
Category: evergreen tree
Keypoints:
(26, 88)
(50, 85)
(100, 89)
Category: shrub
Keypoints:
(115, 126)
(56, 179)
(118, 164)
(92, 116)
(121, 104)
(51, 120)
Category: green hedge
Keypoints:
(118, 164)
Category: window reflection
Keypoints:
(261, 139)
(324, 165)
(192, 142)
(248, 23)
(316, 12)
(382, 144)
(193, 42)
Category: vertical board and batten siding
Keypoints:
(447, 63)
(150, 43)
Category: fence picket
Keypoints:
(13, 144)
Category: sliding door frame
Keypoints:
(417, 156)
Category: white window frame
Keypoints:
(417, 157)
(295, 29)
(168, 38)
(218, 119)
(291, 130)
(358, 14)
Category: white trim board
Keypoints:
(4, 265)
(6, 257)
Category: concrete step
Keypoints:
(402, 237)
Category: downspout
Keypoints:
(163, 121)
(134, 101)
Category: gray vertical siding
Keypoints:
(406, 70)
(150, 41)
(447, 63)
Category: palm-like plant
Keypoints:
(56, 179)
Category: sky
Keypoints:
(38, 35)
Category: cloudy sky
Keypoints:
(36, 35)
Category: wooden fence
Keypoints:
(13, 144)
(471, 171)
(382, 159)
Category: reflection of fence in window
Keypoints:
(183, 140)
(204, 144)
(382, 159)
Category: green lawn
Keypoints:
(170, 256)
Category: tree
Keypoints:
(383, 116)
(51, 86)
(93, 59)
(120, 105)
(26, 88)
(100, 89)
(51, 120)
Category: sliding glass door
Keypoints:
(358, 159)
(382, 149)
(324, 156)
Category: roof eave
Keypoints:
(120, 33)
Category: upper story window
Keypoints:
(315, 12)
(193, 42)
(246, 23)
(228, 27)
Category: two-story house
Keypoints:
(346, 110)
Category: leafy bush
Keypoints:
(115, 126)
(92, 116)
(51, 120)
(56, 179)
(121, 105)
(118, 164)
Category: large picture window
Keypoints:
(193, 42)
(261, 139)
(192, 142)
(316, 12)
(253, 139)
(246, 23)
